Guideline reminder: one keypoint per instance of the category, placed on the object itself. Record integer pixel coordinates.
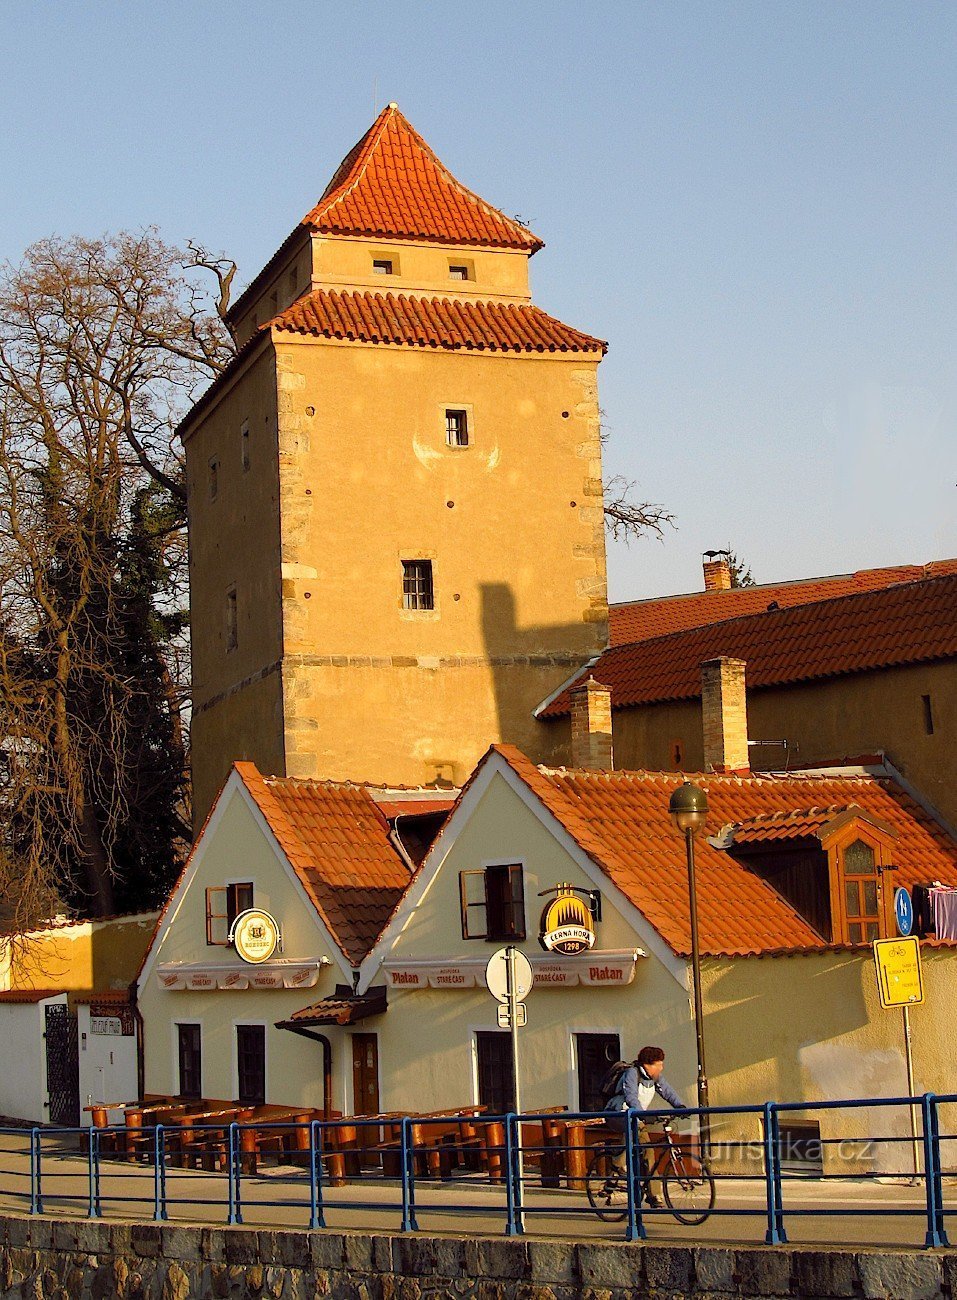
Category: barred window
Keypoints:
(458, 272)
(457, 428)
(417, 591)
(381, 266)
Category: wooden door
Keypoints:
(496, 1080)
(365, 1074)
(596, 1054)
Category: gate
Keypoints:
(63, 1066)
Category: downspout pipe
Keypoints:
(140, 1044)
(326, 1064)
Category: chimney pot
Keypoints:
(724, 715)
(591, 726)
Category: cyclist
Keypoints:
(636, 1089)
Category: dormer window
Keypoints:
(382, 266)
(861, 892)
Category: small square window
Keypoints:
(244, 444)
(457, 428)
(459, 273)
(232, 620)
(214, 478)
(381, 266)
(417, 590)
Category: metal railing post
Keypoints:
(234, 1164)
(635, 1230)
(775, 1234)
(36, 1192)
(317, 1218)
(409, 1223)
(514, 1214)
(776, 1178)
(936, 1234)
(93, 1151)
(159, 1174)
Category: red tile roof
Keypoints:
(29, 995)
(620, 819)
(454, 324)
(338, 843)
(914, 622)
(391, 184)
(802, 823)
(639, 620)
(343, 1008)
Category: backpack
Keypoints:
(610, 1084)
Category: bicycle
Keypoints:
(688, 1185)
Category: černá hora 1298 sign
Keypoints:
(566, 925)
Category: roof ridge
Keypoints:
(369, 151)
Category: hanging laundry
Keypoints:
(923, 911)
(944, 904)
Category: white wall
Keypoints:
(107, 1065)
(23, 1079)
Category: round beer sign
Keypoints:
(255, 935)
(566, 924)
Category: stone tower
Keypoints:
(395, 510)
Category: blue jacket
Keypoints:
(627, 1095)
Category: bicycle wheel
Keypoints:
(689, 1192)
(607, 1194)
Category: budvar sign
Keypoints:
(598, 969)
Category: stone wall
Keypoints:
(91, 1260)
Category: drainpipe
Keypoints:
(140, 1043)
(326, 1045)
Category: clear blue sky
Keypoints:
(754, 203)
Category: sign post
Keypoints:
(900, 984)
(509, 979)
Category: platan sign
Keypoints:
(255, 935)
(566, 925)
(899, 981)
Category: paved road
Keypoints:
(873, 1213)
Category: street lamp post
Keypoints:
(688, 807)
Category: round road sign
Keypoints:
(904, 911)
(496, 975)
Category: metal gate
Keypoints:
(63, 1066)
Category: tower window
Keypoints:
(928, 714)
(457, 428)
(382, 266)
(213, 478)
(417, 590)
(459, 273)
(232, 621)
(244, 444)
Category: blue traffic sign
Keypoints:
(904, 911)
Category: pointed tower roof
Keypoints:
(392, 184)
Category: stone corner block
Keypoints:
(763, 1271)
(242, 1245)
(918, 1276)
(612, 1264)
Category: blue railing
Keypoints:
(516, 1168)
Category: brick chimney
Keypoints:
(591, 726)
(717, 575)
(724, 715)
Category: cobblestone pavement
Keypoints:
(873, 1212)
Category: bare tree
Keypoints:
(103, 344)
(627, 517)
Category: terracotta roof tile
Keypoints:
(639, 620)
(342, 1008)
(621, 821)
(453, 324)
(29, 995)
(338, 843)
(392, 184)
(802, 823)
(914, 622)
